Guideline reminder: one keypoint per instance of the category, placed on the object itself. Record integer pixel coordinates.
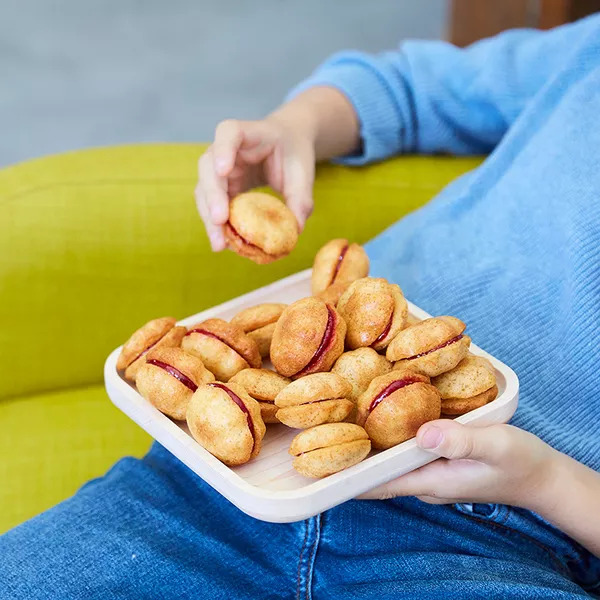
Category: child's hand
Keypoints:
(246, 154)
(494, 464)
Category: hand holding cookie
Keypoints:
(246, 154)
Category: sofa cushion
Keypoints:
(52, 443)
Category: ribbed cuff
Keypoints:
(385, 126)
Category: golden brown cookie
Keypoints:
(226, 421)
(337, 264)
(260, 227)
(395, 405)
(314, 399)
(308, 338)
(471, 384)
(168, 379)
(333, 293)
(223, 348)
(327, 449)
(432, 346)
(156, 333)
(262, 385)
(374, 310)
(359, 367)
(259, 323)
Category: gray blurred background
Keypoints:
(77, 73)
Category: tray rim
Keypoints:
(129, 398)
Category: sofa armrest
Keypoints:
(95, 243)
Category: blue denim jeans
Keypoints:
(151, 529)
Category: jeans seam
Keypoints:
(300, 559)
(312, 555)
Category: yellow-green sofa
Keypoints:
(95, 243)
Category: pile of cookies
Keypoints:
(350, 368)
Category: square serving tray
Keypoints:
(267, 487)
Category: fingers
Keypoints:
(298, 177)
(229, 136)
(420, 482)
(214, 231)
(434, 500)
(451, 439)
(212, 201)
(466, 454)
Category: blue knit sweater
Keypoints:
(512, 248)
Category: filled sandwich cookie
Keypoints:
(168, 379)
(260, 227)
(333, 293)
(470, 385)
(337, 264)
(395, 405)
(308, 338)
(263, 385)
(157, 333)
(330, 448)
(223, 348)
(432, 346)
(314, 399)
(226, 421)
(258, 322)
(359, 367)
(375, 312)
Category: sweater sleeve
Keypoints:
(430, 96)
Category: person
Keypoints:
(509, 511)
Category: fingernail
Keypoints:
(432, 438)
(215, 241)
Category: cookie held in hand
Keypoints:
(223, 348)
(327, 449)
(374, 310)
(308, 338)
(314, 399)
(156, 333)
(471, 384)
(226, 421)
(263, 385)
(260, 227)
(395, 405)
(337, 264)
(258, 322)
(168, 379)
(432, 346)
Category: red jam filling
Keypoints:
(338, 264)
(242, 406)
(244, 240)
(390, 389)
(386, 330)
(175, 373)
(212, 335)
(323, 346)
(451, 341)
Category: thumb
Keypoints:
(450, 439)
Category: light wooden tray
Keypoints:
(267, 487)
